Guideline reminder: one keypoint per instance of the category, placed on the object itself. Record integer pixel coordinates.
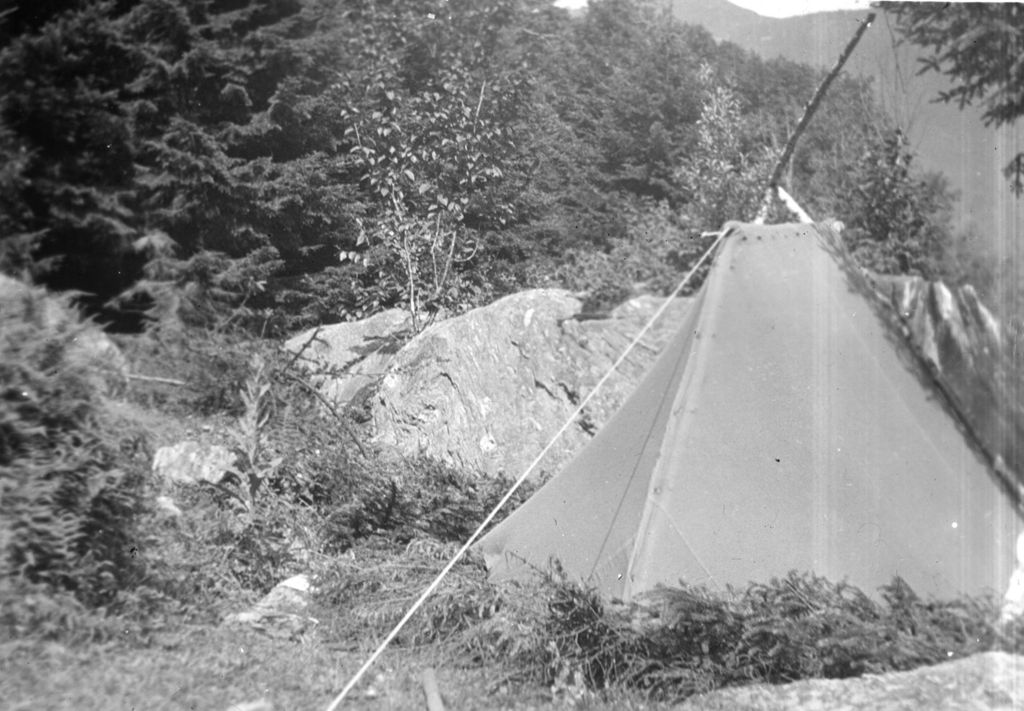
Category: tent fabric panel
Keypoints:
(586, 516)
(808, 443)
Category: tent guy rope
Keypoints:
(430, 589)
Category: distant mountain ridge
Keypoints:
(948, 139)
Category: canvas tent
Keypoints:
(786, 427)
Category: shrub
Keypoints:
(191, 372)
(377, 585)
(675, 642)
(651, 254)
(723, 180)
(70, 495)
(302, 489)
(257, 525)
(597, 275)
(405, 499)
(899, 216)
(216, 554)
(329, 296)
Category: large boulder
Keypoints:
(488, 389)
(987, 681)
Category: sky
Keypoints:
(787, 8)
(773, 8)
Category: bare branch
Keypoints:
(332, 409)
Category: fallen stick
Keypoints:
(309, 341)
(154, 379)
(431, 691)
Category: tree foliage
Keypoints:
(898, 219)
(197, 122)
(429, 115)
(722, 181)
(978, 46)
(316, 161)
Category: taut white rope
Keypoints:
(522, 478)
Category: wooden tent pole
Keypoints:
(812, 106)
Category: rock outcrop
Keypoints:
(488, 389)
(990, 681)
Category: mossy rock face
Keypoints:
(983, 681)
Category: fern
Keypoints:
(68, 504)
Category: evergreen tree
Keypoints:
(324, 160)
(978, 46)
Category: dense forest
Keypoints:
(306, 161)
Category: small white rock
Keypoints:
(167, 505)
(296, 582)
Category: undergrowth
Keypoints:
(676, 642)
(70, 481)
(667, 645)
(88, 556)
(304, 491)
(89, 551)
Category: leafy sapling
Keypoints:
(254, 467)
